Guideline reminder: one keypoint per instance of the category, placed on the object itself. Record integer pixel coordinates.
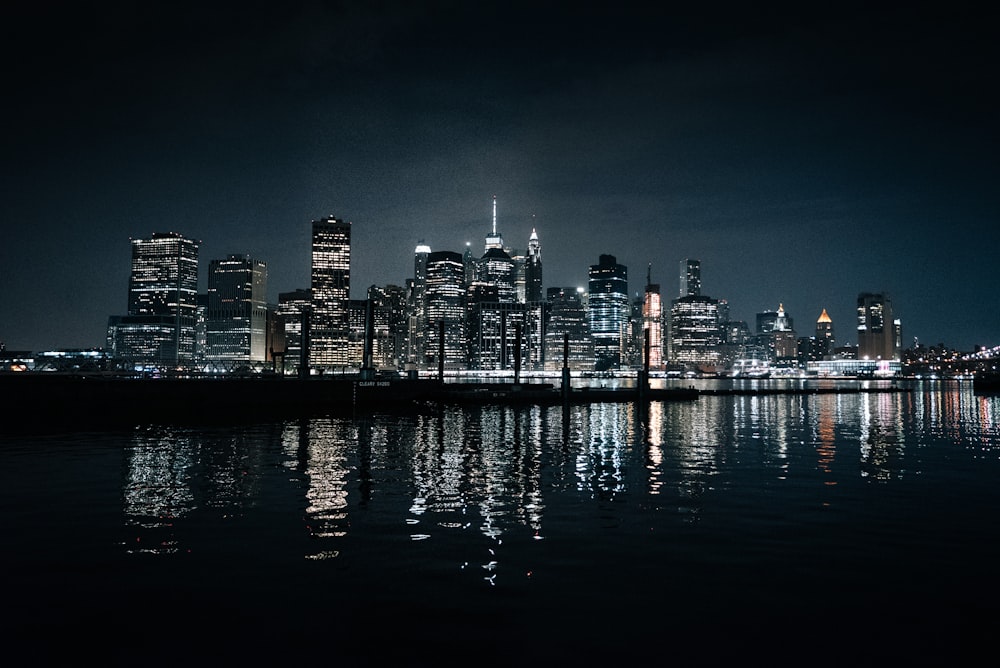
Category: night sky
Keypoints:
(802, 157)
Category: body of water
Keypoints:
(833, 529)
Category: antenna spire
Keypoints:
(494, 214)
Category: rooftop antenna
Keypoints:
(494, 214)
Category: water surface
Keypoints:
(836, 529)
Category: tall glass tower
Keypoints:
(159, 329)
(236, 316)
(690, 278)
(608, 311)
(652, 322)
(445, 309)
(417, 325)
(331, 292)
(496, 267)
(879, 336)
(533, 269)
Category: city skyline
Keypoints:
(803, 159)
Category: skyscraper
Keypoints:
(879, 335)
(159, 329)
(533, 270)
(293, 314)
(236, 315)
(331, 291)
(784, 341)
(567, 331)
(690, 278)
(389, 326)
(496, 267)
(824, 334)
(694, 331)
(445, 310)
(417, 298)
(608, 311)
(652, 322)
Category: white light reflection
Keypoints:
(478, 468)
(326, 446)
(881, 436)
(654, 447)
(156, 491)
(600, 463)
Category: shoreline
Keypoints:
(34, 402)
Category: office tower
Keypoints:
(159, 330)
(496, 267)
(236, 313)
(784, 341)
(389, 323)
(533, 270)
(292, 313)
(201, 329)
(331, 290)
(608, 311)
(694, 332)
(357, 319)
(879, 334)
(824, 335)
(566, 325)
(417, 305)
(690, 278)
(494, 329)
(470, 262)
(765, 321)
(652, 322)
(445, 296)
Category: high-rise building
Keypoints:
(533, 270)
(496, 266)
(824, 335)
(567, 331)
(694, 331)
(785, 343)
(159, 329)
(331, 293)
(502, 335)
(417, 306)
(608, 311)
(690, 278)
(445, 310)
(292, 313)
(389, 325)
(236, 313)
(652, 322)
(879, 334)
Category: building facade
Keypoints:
(608, 312)
(567, 331)
(329, 329)
(236, 312)
(694, 332)
(690, 278)
(290, 348)
(445, 295)
(158, 332)
(879, 332)
(652, 326)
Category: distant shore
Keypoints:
(81, 401)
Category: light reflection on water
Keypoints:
(750, 513)
(492, 470)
